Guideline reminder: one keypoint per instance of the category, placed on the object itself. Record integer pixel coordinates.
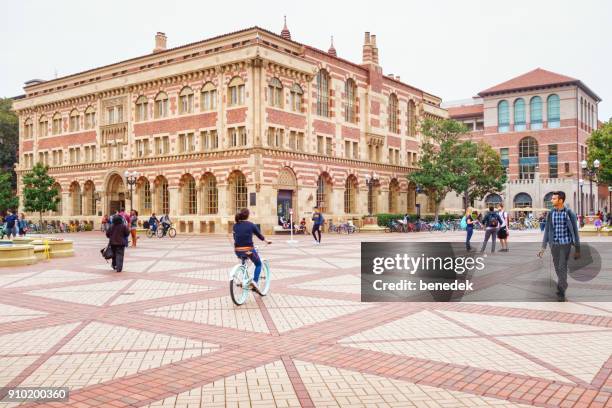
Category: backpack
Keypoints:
(492, 221)
(463, 223)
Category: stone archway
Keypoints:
(286, 193)
(115, 193)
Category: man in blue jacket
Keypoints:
(561, 232)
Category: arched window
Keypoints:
(323, 93)
(324, 192)
(393, 196)
(535, 113)
(528, 158)
(74, 121)
(235, 92)
(162, 197)
(89, 202)
(189, 194)
(393, 114)
(90, 118)
(161, 105)
(58, 208)
(553, 115)
(186, 100)
(275, 93)
(411, 118)
(350, 89)
(210, 194)
(75, 195)
(503, 116)
(43, 126)
(28, 129)
(493, 200)
(238, 190)
(57, 124)
(208, 97)
(350, 194)
(141, 108)
(296, 98)
(522, 200)
(143, 189)
(519, 115)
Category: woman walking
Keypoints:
(133, 226)
(117, 235)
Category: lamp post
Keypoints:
(370, 180)
(581, 183)
(130, 178)
(591, 171)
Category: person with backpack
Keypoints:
(467, 222)
(502, 234)
(117, 235)
(491, 222)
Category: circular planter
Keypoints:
(16, 255)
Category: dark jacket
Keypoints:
(491, 215)
(572, 225)
(117, 234)
(243, 234)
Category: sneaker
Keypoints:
(254, 287)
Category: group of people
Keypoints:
(286, 224)
(12, 225)
(153, 223)
(495, 224)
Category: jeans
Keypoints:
(118, 253)
(254, 257)
(489, 232)
(316, 228)
(468, 237)
(560, 255)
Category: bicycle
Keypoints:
(151, 232)
(161, 232)
(240, 279)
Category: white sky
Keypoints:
(452, 49)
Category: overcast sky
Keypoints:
(453, 49)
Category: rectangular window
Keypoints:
(182, 141)
(567, 169)
(236, 94)
(233, 137)
(390, 156)
(347, 149)
(355, 150)
(43, 129)
(328, 147)
(503, 153)
(243, 136)
(166, 145)
(292, 137)
(279, 142)
(320, 145)
(209, 100)
(300, 142)
(553, 166)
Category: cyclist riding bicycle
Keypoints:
(243, 243)
(153, 221)
(165, 222)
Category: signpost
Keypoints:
(291, 241)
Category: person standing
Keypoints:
(491, 222)
(503, 233)
(23, 225)
(469, 228)
(117, 235)
(10, 220)
(561, 233)
(317, 219)
(133, 226)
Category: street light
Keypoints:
(370, 181)
(591, 171)
(581, 183)
(130, 178)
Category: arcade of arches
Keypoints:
(205, 202)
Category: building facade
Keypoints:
(539, 123)
(247, 119)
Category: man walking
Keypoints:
(11, 221)
(317, 219)
(491, 222)
(561, 232)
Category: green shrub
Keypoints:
(384, 219)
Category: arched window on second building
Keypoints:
(519, 115)
(553, 116)
(393, 114)
(296, 98)
(324, 193)
(411, 122)
(186, 101)
(141, 108)
(235, 92)
(275, 93)
(323, 93)
(528, 158)
(394, 190)
(350, 90)
(535, 113)
(350, 195)
(210, 194)
(493, 200)
(74, 124)
(208, 97)
(238, 191)
(503, 117)
(161, 105)
(189, 195)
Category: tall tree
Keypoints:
(440, 169)
(8, 199)
(600, 148)
(39, 194)
(9, 137)
(485, 174)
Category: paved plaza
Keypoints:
(165, 333)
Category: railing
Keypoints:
(116, 131)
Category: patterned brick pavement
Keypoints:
(164, 333)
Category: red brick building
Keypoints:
(539, 122)
(246, 119)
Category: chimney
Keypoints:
(374, 50)
(160, 42)
(367, 49)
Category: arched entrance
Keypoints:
(286, 195)
(493, 200)
(115, 193)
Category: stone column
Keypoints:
(173, 197)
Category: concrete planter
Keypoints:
(16, 255)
